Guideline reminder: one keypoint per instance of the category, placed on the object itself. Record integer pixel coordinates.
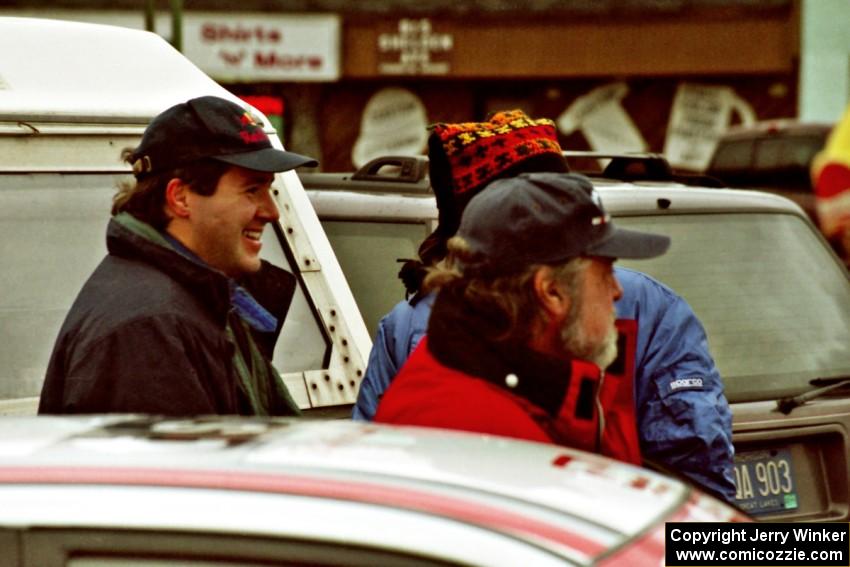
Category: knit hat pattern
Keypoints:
(477, 152)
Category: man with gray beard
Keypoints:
(524, 321)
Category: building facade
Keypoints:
(354, 80)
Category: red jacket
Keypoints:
(428, 393)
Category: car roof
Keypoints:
(629, 184)
(605, 502)
(620, 198)
(100, 72)
(670, 198)
(778, 126)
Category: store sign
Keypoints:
(239, 46)
(415, 49)
(242, 47)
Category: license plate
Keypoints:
(765, 481)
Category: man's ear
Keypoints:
(551, 294)
(177, 198)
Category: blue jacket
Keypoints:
(399, 333)
(684, 420)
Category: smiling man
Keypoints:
(176, 320)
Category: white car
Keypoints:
(774, 299)
(140, 491)
(64, 121)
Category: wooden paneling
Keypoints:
(502, 49)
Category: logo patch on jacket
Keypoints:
(693, 383)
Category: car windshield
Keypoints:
(774, 301)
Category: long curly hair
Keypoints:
(510, 298)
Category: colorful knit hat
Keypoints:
(465, 157)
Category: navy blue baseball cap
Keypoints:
(210, 127)
(546, 218)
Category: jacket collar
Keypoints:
(271, 289)
(245, 305)
(128, 237)
(461, 338)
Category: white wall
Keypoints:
(824, 59)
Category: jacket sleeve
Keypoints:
(380, 371)
(150, 365)
(684, 420)
(273, 288)
(399, 333)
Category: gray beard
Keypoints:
(577, 344)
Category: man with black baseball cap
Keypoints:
(178, 318)
(524, 321)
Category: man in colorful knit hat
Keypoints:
(684, 429)
(181, 316)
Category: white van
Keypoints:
(72, 96)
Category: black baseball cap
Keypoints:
(546, 218)
(210, 127)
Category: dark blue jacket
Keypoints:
(684, 420)
(153, 331)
